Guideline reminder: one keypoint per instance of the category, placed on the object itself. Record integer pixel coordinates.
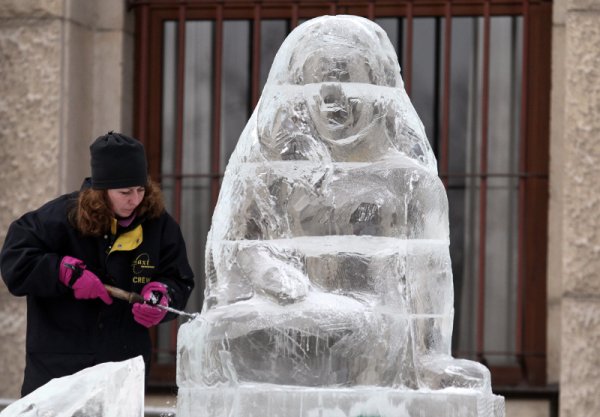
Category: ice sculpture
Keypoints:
(112, 389)
(329, 287)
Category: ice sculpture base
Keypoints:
(268, 400)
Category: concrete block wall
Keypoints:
(66, 70)
(579, 165)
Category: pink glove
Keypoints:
(146, 314)
(84, 283)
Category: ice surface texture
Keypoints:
(327, 260)
(112, 389)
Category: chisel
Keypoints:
(132, 297)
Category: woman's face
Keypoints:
(124, 201)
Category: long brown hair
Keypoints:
(92, 215)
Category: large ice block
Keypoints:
(112, 389)
(329, 283)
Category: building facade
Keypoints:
(71, 71)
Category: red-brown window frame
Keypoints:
(535, 115)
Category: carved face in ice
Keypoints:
(338, 116)
(328, 58)
(335, 93)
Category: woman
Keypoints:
(114, 231)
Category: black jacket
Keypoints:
(64, 334)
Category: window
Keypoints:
(478, 73)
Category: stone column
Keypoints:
(66, 70)
(580, 354)
(30, 109)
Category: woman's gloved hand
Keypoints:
(146, 314)
(84, 283)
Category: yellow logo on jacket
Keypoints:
(141, 268)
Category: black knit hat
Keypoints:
(118, 161)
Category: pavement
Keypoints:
(160, 405)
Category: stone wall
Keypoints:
(580, 353)
(31, 63)
(64, 81)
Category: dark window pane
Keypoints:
(235, 89)
(272, 34)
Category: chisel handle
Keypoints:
(130, 297)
